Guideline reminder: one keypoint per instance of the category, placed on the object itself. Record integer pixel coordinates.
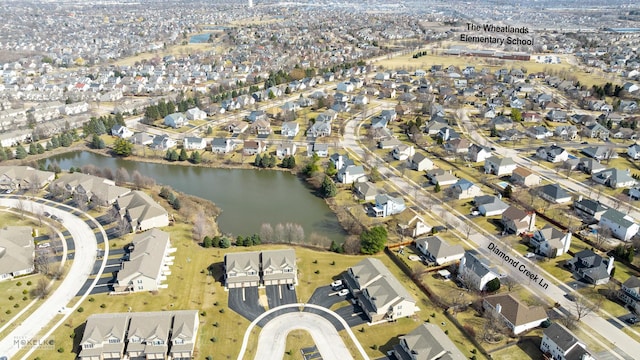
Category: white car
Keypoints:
(343, 292)
(336, 284)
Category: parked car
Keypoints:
(336, 284)
(343, 292)
(290, 286)
(632, 320)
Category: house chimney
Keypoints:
(610, 265)
(567, 242)
(532, 221)
(498, 308)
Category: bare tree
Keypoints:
(199, 226)
(468, 229)
(584, 307)
(80, 201)
(569, 321)
(122, 226)
(279, 233)
(42, 263)
(510, 283)
(138, 179)
(122, 176)
(602, 235)
(494, 327)
(34, 184)
(352, 245)
(21, 206)
(266, 233)
(107, 173)
(41, 290)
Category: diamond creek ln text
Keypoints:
(517, 265)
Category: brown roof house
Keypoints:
(141, 211)
(517, 316)
(517, 221)
(427, 342)
(524, 177)
(16, 251)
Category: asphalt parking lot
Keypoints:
(325, 296)
(280, 295)
(247, 306)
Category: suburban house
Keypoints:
(380, 295)
(517, 221)
(252, 268)
(141, 138)
(554, 193)
(147, 265)
(241, 269)
(457, 146)
(590, 267)
(17, 251)
(387, 205)
(152, 336)
(622, 226)
(349, 174)
(278, 267)
(614, 178)
(499, 166)
(222, 145)
(524, 177)
(634, 151)
(87, 188)
(403, 152)
(141, 211)
(194, 143)
(539, 132)
(121, 131)
(162, 142)
(261, 127)
(414, 227)
(290, 128)
(591, 209)
(256, 115)
(490, 205)
(319, 128)
(287, 148)
(478, 153)
(175, 120)
(558, 343)
(465, 189)
(550, 241)
(475, 272)
(439, 251)
(238, 127)
(595, 131)
(253, 147)
(552, 153)
(590, 166)
(104, 336)
(420, 162)
(23, 177)
(196, 114)
(441, 177)
(517, 316)
(630, 293)
(427, 342)
(600, 152)
(322, 150)
(366, 191)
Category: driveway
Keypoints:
(280, 295)
(273, 337)
(244, 301)
(324, 296)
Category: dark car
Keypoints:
(632, 320)
(570, 297)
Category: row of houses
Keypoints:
(254, 269)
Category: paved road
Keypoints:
(273, 337)
(85, 250)
(541, 285)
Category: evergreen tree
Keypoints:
(258, 161)
(55, 142)
(207, 242)
(195, 158)
(224, 243)
(373, 240)
(3, 154)
(21, 153)
(8, 154)
(122, 147)
(171, 108)
(97, 142)
(176, 204)
(32, 149)
(40, 148)
(331, 169)
(437, 188)
(328, 187)
(183, 155)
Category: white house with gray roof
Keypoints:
(559, 343)
(194, 143)
(427, 342)
(499, 166)
(378, 292)
(175, 120)
(490, 205)
(387, 205)
(16, 251)
(279, 267)
(85, 187)
(141, 211)
(475, 272)
(438, 250)
(147, 265)
(622, 226)
(252, 269)
(614, 178)
(550, 241)
(242, 269)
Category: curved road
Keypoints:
(86, 246)
(273, 337)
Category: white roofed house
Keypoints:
(194, 143)
(438, 250)
(23, 177)
(121, 131)
(279, 267)
(184, 333)
(290, 128)
(499, 166)
(550, 241)
(148, 263)
(614, 178)
(517, 316)
(148, 336)
(221, 145)
(287, 148)
(475, 272)
(141, 211)
(242, 269)
(378, 292)
(403, 152)
(16, 251)
(489, 205)
(195, 114)
(634, 151)
(622, 226)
